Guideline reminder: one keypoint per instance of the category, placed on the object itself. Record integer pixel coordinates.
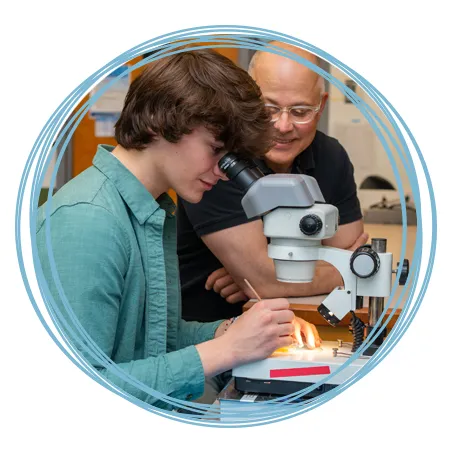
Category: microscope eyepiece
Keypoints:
(243, 171)
(227, 162)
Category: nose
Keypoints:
(218, 173)
(284, 123)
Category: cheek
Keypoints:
(306, 131)
(206, 164)
(198, 162)
(193, 165)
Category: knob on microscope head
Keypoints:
(310, 224)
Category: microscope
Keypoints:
(296, 219)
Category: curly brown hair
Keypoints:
(178, 93)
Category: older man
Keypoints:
(218, 246)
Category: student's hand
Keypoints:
(222, 283)
(306, 333)
(256, 334)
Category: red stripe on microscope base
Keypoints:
(300, 371)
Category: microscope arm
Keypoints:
(342, 299)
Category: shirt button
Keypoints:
(189, 397)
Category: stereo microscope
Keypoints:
(296, 219)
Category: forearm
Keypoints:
(216, 356)
(326, 278)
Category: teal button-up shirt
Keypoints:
(114, 248)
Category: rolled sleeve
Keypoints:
(187, 366)
(177, 375)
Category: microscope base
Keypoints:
(369, 351)
(275, 387)
(293, 369)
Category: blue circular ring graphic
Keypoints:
(58, 132)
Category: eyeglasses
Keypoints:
(298, 114)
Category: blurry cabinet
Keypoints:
(85, 142)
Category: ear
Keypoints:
(324, 102)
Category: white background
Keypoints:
(48, 48)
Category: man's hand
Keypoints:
(361, 240)
(306, 332)
(222, 283)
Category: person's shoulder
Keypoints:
(83, 188)
(328, 149)
(89, 190)
(326, 143)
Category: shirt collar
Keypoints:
(139, 200)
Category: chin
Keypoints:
(282, 156)
(192, 197)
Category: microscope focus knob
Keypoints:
(364, 262)
(311, 225)
(404, 272)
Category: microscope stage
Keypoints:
(292, 369)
